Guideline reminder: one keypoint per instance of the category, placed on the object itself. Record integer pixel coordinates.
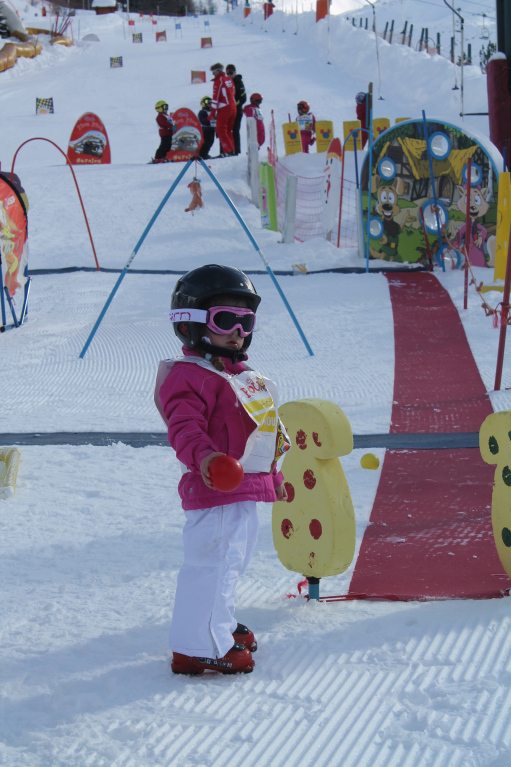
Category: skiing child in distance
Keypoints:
(208, 399)
(307, 125)
(165, 129)
(207, 125)
(253, 110)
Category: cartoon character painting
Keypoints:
(12, 239)
(388, 211)
(478, 253)
(414, 190)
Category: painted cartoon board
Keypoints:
(418, 194)
(187, 138)
(292, 140)
(13, 237)
(88, 143)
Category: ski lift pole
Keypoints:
(131, 258)
(380, 97)
(468, 233)
(369, 175)
(462, 57)
(259, 253)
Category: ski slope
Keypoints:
(90, 544)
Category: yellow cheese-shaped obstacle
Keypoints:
(9, 464)
(292, 140)
(495, 447)
(314, 530)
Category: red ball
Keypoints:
(226, 473)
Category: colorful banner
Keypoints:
(332, 188)
(13, 236)
(380, 124)
(292, 140)
(322, 9)
(324, 134)
(350, 143)
(503, 226)
(206, 42)
(115, 62)
(44, 106)
(267, 197)
(88, 143)
(187, 138)
(137, 37)
(198, 76)
(161, 37)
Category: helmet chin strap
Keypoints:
(210, 350)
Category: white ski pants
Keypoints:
(218, 544)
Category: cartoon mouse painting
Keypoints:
(387, 209)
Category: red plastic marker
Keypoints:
(226, 473)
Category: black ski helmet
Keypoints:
(196, 290)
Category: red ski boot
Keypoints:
(243, 636)
(237, 661)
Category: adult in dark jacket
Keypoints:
(361, 109)
(207, 125)
(241, 97)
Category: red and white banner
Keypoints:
(187, 138)
(13, 236)
(88, 143)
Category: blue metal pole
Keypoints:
(313, 584)
(134, 253)
(2, 300)
(258, 250)
(433, 187)
(369, 184)
(11, 307)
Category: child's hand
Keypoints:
(204, 469)
(281, 492)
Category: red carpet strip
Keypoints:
(429, 535)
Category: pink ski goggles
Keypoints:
(221, 320)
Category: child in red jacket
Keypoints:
(307, 125)
(214, 405)
(165, 129)
(252, 110)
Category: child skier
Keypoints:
(208, 399)
(307, 124)
(165, 129)
(207, 125)
(252, 110)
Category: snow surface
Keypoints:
(90, 543)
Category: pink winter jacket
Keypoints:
(203, 416)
